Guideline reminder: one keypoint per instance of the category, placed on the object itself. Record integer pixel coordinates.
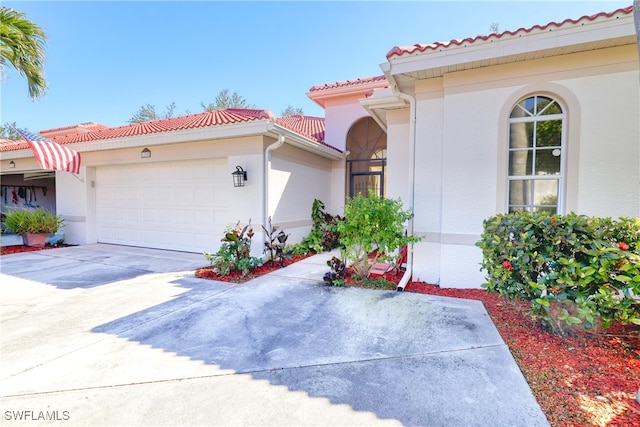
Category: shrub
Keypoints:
(372, 223)
(338, 271)
(275, 244)
(23, 221)
(324, 234)
(234, 252)
(571, 268)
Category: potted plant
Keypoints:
(34, 225)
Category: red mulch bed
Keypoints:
(237, 277)
(7, 250)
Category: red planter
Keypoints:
(35, 239)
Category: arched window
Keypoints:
(367, 160)
(536, 148)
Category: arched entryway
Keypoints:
(367, 160)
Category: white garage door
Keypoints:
(167, 205)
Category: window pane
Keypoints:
(539, 194)
(529, 104)
(546, 192)
(541, 102)
(548, 133)
(520, 192)
(520, 162)
(547, 163)
(549, 108)
(523, 108)
(521, 135)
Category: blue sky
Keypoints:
(107, 59)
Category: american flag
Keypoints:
(50, 155)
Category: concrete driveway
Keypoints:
(114, 335)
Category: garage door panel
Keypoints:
(173, 205)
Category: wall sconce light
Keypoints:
(12, 164)
(239, 177)
(146, 153)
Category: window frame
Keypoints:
(536, 118)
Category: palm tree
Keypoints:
(22, 45)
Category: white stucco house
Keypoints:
(541, 118)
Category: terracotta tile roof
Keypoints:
(312, 127)
(192, 121)
(398, 51)
(80, 128)
(347, 83)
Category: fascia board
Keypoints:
(307, 144)
(513, 45)
(383, 98)
(15, 154)
(321, 96)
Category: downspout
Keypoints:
(412, 171)
(267, 168)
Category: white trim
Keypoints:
(584, 35)
(448, 238)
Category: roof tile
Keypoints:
(347, 83)
(311, 127)
(399, 51)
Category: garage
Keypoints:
(166, 205)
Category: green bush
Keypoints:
(234, 252)
(23, 221)
(372, 223)
(324, 234)
(571, 268)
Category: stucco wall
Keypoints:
(296, 178)
(339, 117)
(462, 140)
(609, 144)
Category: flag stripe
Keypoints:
(50, 155)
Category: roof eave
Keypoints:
(234, 130)
(304, 143)
(321, 96)
(379, 102)
(552, 42)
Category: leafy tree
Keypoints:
(372, 223)
(224, 100)
(148, 112)
(494, 28)
(7, 131)
(292, 111)
(22, 45)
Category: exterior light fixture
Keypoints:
(12, 164)
(239, 177)
(146, 153)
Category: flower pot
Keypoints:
(35, 239)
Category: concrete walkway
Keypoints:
(113, 335)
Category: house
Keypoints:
(542, 118)
(168, 183)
